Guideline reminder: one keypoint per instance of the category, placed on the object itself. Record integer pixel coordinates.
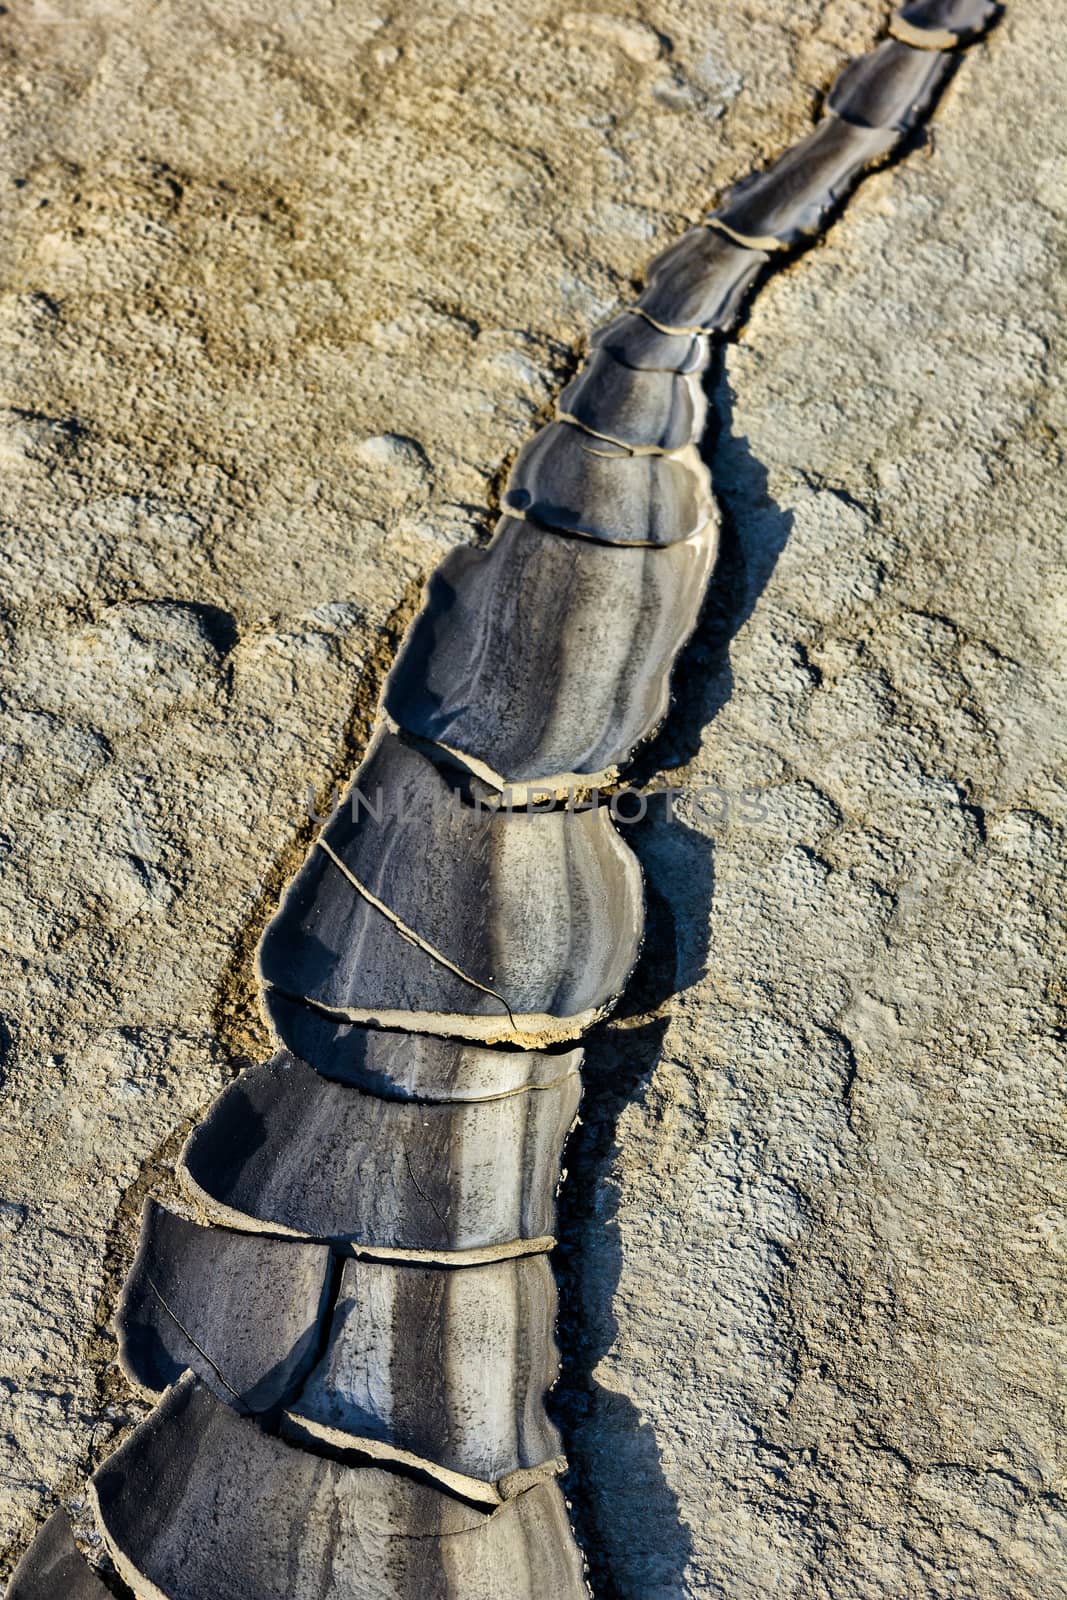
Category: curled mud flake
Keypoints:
(431, 908)
(941, 24)
(240, 1310)
(542, 661)
(636, 342)
(566, 480)
(891, 87)
(444, 1369)
(642, 410)
(339, 952)
(285, 1151)
(410, 1066)
(200, 1502)
(701, 282)
(53, 1568)
(795, 197)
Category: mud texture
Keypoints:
(282, 292)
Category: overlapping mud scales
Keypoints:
(284, 1151)
(890, 87)
(700, 283)
(427, 906)
(201, 1504)
(796, 196)
(543, 662)
(410, 1066)
(634, 340)
(571, 481)
(442, 1369)
(641, 409)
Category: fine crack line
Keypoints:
(178, 1323)
(409, 933)
(430, 1201)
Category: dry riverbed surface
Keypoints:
(283, 290)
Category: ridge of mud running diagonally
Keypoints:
(350, 1337)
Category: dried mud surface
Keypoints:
(282, 290)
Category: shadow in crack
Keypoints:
(626, 1515)
(754, 533)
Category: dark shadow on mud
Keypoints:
(626, 1515)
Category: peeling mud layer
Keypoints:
(283, 291)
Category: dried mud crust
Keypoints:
(846, 858)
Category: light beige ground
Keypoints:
(283, 289)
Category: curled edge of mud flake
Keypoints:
(242, 1512)
(53, 1567)
(794, 197)
(543, 663)
(399, 1065)
(243, 1311)
(447, 1370)
(285, 1151)
(301, 1430)
(943, 24)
